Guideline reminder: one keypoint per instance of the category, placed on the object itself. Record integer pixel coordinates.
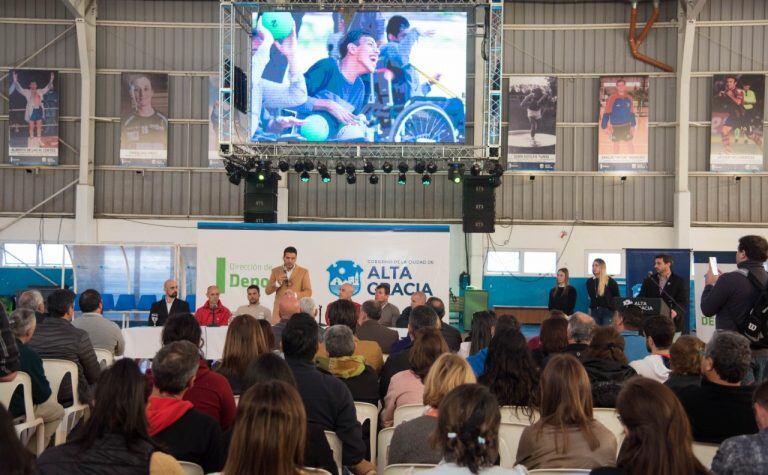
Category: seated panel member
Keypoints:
(213, 312)
(254, 308)
(169, 305)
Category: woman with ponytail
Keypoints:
(602, 289)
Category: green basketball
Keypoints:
(280, 24)
(315, 128)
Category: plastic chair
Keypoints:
(385, 439)
(558, 471)
(107, 302)
(105, 357)
(515, 415)
(145, 302)
(77, 303)
(609, 418)
(369, 412)
(335, 443)
(404, 468)
(56, 371)
(237, 399)
(126, 305)
(509, 439)
(315, 471)
(31, 426)
(191, 468)
(192, 301)
(705, 452)
(407, 412)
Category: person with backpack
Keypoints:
(734, 299)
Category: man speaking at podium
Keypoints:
(668, 286)
(286, 277)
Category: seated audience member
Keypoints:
(566, 436)
(553, 339)
(451, 335)
(307, 305)
(467, 433)
(369, 327)
(534, 343)
(685, 363)
(606, 366)
(747, 454)
(344, 313)
(268, 368)
(721, 407)
(287, 306)
(103, 333)
(477, 361)
(9, 354)
(189, 435)
(407, 387)
(213, 313)
(114, 439)
(211, 393)
(56, 338)
(659, 332)
(510, 372)
(244, 343)
(628, 321)
(410, 442)
(389, 313)
(417, 298)
(406, 341)
(351, 369)
(345, 293)
(327, 400)
(421, 317)
(254, 308)
(23, 323)
(269, 336)
(580, 328)
(483, 326)
(17, 460)
(658, 436)
(33, 300)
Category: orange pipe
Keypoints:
(647, 28)
(634, 43)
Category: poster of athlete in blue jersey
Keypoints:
(623, 124)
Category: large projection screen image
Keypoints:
(358, 76)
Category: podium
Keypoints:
(649, 306)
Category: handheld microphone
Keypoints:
(213, 315)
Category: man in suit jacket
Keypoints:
(169, 304)
(369, 327)
(286, 277)
(676, 289)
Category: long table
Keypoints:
(144, 342)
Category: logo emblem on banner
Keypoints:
(344, 272)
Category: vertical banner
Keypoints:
(737, 122)
(33, 117)
(640, 263)
(623, 128)
(726, 262)
(532, 123)
(239, 125)
(144, 119)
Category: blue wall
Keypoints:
(517, 291)
(13, 279)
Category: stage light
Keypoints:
(308, 165)
(387, 167)
(368, 167)
(420, 167)
(235, 177)
(322, 170)
(283, 166)
(494, 180)
(401, 179)
(350, 168)
(305, 177)
(455, 172)
(426, 180)
(431, 167)
(373, 179)
(351, 179)
(261, 175)
(340, 169)
(402, 167)
(298, 167)
(475, 170)
(495, 168)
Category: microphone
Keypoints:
(213, 307)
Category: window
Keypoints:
(19, 255)
(540, 262)
(502, 262)
(54, 255)
(612, 261)
(16, 254)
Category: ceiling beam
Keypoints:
(77, 7)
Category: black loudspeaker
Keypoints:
(479, 205)
(260, 199)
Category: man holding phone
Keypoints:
(286, 277)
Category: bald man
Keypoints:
(287, 306)
(213, 313)
(345, 293)
(417, 298)
(168, 305)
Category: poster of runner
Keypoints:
(737, 123)
(144, 119)
(623, 124)
(532, 123)
(33, 117)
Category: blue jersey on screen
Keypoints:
(325, 77)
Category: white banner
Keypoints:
(705, 326)
(408, 258)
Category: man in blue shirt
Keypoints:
(627, 321)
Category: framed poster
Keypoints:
(623, 125)
(737, 123)
(532, 123)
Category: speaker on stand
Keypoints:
(260, 204)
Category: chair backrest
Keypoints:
(191, 468)
(705, 452)
(145, 302)
(610, 419)
(7, 389)
(509, 439)
(385, 439)
(408, 412)
(192, 301)
(56, 370)
(125, 302)
(335, 443)
(104, 357)
(107, 302)
(404, 468)
(369, 412)
(559, 471)
(515, 415)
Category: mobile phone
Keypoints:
(713, 265)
